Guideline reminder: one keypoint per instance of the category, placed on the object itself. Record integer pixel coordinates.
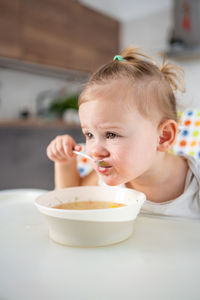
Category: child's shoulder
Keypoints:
(194, 165)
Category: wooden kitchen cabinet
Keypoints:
(10, 45)
(57, 33)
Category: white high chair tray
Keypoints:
(160, 261)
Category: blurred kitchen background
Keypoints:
(48, 49)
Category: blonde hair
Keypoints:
(153, 84)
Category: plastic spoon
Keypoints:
(100, 163)
(83, 154)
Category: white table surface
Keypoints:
(160, 261)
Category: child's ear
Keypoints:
(167, 134)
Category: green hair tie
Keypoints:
(118, 57)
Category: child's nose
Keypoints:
(98, 151)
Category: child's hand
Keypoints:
(60, 149)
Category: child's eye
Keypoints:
(89, 135)
(111, 135)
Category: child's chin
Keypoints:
(112, 181)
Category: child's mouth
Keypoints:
(104, 170)
(103, 167)
(102, 164)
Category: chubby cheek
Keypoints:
(121, 162)
(118, 157)
(88, 148)
(135, 160)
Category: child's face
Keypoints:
(120, 136)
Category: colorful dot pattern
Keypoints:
(83, 164)
(188, 138)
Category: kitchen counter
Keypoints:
(37, 123)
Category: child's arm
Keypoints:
(60, 152)
(66, 174)
(65, 163)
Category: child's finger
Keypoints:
(68, 150)
(78, 148)
(56, 152)
(51, 154)
(68, 145)
(60, 149)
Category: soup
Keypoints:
(88, 205)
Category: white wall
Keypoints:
(151, 33)
(19, 91)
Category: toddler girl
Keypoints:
(128, 115)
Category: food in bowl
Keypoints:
(88, 205)
(90, 227)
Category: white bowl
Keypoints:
(94, 227)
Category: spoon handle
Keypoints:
(82, 154)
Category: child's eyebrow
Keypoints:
(105, 126)
(110, 126)
(84, 127)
